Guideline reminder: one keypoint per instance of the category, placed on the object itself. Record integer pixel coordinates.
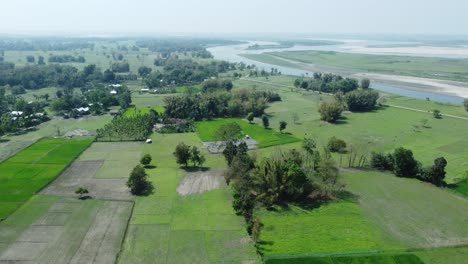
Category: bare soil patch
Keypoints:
(216, 147)
(200, 182)
(81, 174)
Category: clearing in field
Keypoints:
(265, 137)
(49, 229)
(200, 182)
(32, 169)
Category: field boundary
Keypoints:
(119, 254)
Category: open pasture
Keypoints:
(32, 169)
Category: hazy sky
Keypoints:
(234, 16)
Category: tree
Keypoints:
(336, 145)
(295, 117)
(146, 160)
(265, 121)
(313, 157)
(183, 154)
(365, 83)
(137, 182)
(404, 163)
(30, 59)
(81, 191)
(329, 175)
(257, 227)
(232, 150)
(144, 71)
(250, 117)
(330, 112)
(436, 173)
(465, 103)
(282, 125)
(436, 113)
(361, 100)
(381, 161)
(197, 158)
(40, 60)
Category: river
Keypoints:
(231, 54)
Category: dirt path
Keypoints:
(199, 182)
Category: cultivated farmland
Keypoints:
(33, 168)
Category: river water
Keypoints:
(231, 54)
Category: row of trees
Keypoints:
(185, 72)
(403, 164)
(330, 83)
(237, 103)
(66, 59)
(127, 128)
(40, 76)
(357, 100)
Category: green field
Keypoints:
(387, 200)
(168, 228)
(206, 130)
(427, 67)
(354, 259)
(30, 170)
(381, 130)
(133, 111)
(331, 228)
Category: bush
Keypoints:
(330, 112)
(436, 113)
(465, 103)
(381, 161)
(361, 100)
(336, 145)
(265, 121)
(404, 163)
(146, 160)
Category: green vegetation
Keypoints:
(32, 169)
(438, 68)
(206, 130)
(197, 228)
(402, 258)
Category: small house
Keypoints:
(113, 92)
(145, 90)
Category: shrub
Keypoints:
(330, 112)
(265, 121)
(381, 161)
(336, 145)
(465, 103)
(146, 160)
(436, 113)
(404, 163)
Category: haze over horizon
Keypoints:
(242, 16)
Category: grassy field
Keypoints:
(143, 110)
(427, 67)
(206, 130)
(168, 228)
(381, 130)
(416, 214)
(331, 228)
(30, 170)
(355, 259)
(51, 229)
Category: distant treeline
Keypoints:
(66, 58)
(181, 44)
(185, 72)
(44, 44)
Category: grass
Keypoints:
(133, 111)
(381, 130)
(266, 137)
(334, 227)
(417, 214)
(427, 67)
(351, 259)
(30, 170)
(168, 228)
